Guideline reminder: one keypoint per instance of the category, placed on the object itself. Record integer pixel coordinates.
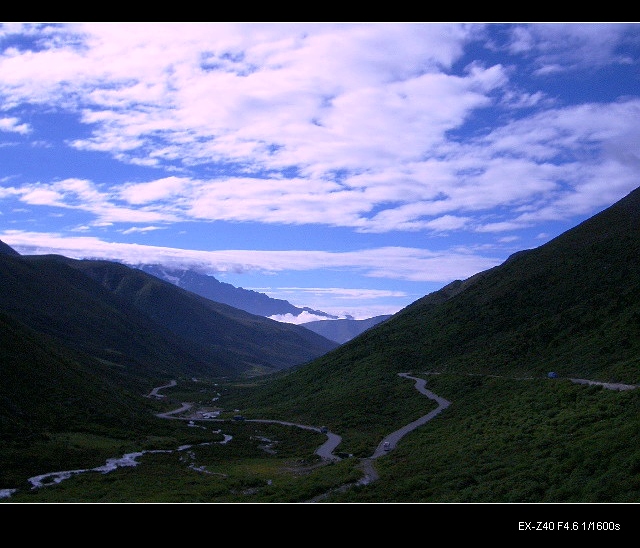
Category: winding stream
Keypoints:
(325, 451)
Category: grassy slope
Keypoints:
(44, 293)
(510, 434)
(220, 334)
(572, 306)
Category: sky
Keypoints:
(350, 168)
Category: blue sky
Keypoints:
(348, 167)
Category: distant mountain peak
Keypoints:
(343, 330)
(245, 299)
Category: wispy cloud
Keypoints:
(390, 262)
(13, 125)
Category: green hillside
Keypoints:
(53, 299)
(486, 344)
(570, 306)
(511, 434)
(83, 342)
(236, 342)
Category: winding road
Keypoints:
(325, 451)
(388, 443)
(393, 438)
(155, 393)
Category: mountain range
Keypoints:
(338, 329)
(512, 433)
(245, 299)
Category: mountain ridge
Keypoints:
(259, 303)
(211, 288)
(344, 330)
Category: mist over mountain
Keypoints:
(221, 292)
(259, 303)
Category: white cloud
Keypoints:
(13, 125)
(400, 263)
(337, 292)
(567, 46)
(313, 96)
(152, 191)
(141, 229)
(303, 317)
